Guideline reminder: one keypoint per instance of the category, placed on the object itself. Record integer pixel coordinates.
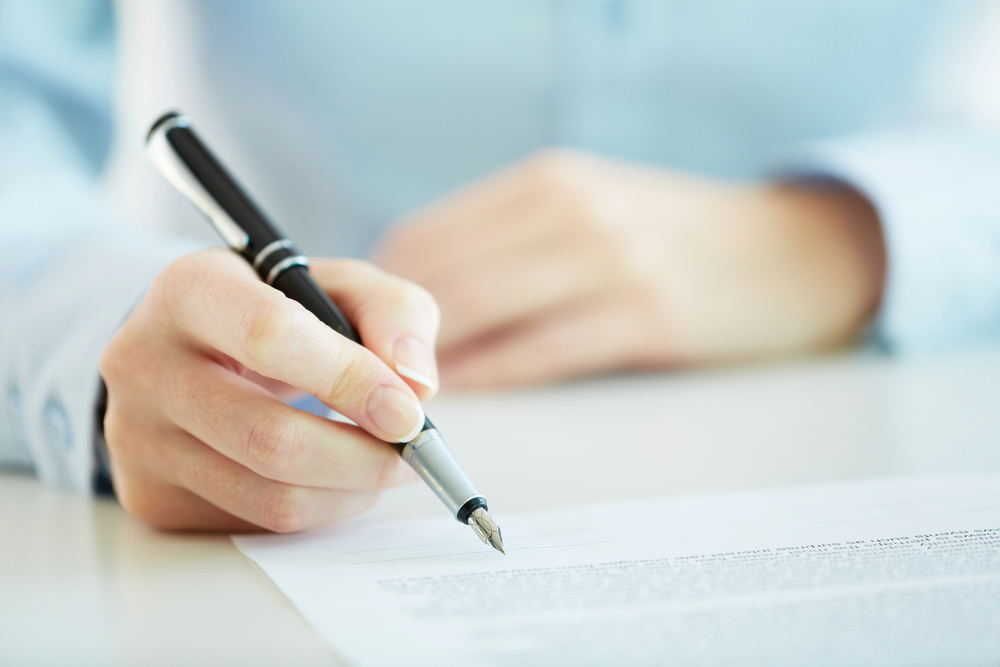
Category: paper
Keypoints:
(899, 572)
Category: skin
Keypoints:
(198, 435)
(568, 264)
(560, 266)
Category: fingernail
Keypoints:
(415, 361)
(395, 413)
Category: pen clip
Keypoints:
(173, 168)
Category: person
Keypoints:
(568, 188)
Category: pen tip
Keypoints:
(487, 529)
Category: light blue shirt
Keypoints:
(354, 113)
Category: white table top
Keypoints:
(82, 583)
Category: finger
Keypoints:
(478, 298)
(397, 320)
(285, 393)
(264, 502)
(421, 248)
(217, 305)
(245, 423)
(450, 215)
(588, 337)
(169, 507)
(142, 474)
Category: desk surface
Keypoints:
(83, 583)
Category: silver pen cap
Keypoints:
(430, 456)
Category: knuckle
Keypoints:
(113, 425)
(423, 300)
(173, 283)
(143, 501)
(264, 330)
(353, 376)
(129, 499)
(110, 362)
(270, 442)
(284, 509)
(360, 267)
(120, 435)
(409, 297)
(136, 504)
(338, 270)
(432, 308)
(124, 353)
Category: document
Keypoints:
(901, 572)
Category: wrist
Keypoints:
(827, 245)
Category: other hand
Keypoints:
(569, 264)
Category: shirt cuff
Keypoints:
(937, 193)
(102, 483)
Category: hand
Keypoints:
(197, 433)
(568, 264)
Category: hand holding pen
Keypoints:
(197, 431)
(198, 434)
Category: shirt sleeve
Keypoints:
(937, 192)
(69, 274)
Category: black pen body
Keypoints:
(243, 226)
(271, 253)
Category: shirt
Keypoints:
(342, 116)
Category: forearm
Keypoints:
(764, 270)
(935, 188)
(829, 238)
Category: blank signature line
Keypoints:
(468, 553)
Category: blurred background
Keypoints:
(342, 116)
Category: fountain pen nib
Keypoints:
(487, 529)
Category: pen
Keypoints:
(181, 157)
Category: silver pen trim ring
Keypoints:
(287, 263)
(176, 121)
(270, 249)
(424, 437)
(462, 504)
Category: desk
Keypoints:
(82, 583)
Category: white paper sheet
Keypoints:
(899, 572)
